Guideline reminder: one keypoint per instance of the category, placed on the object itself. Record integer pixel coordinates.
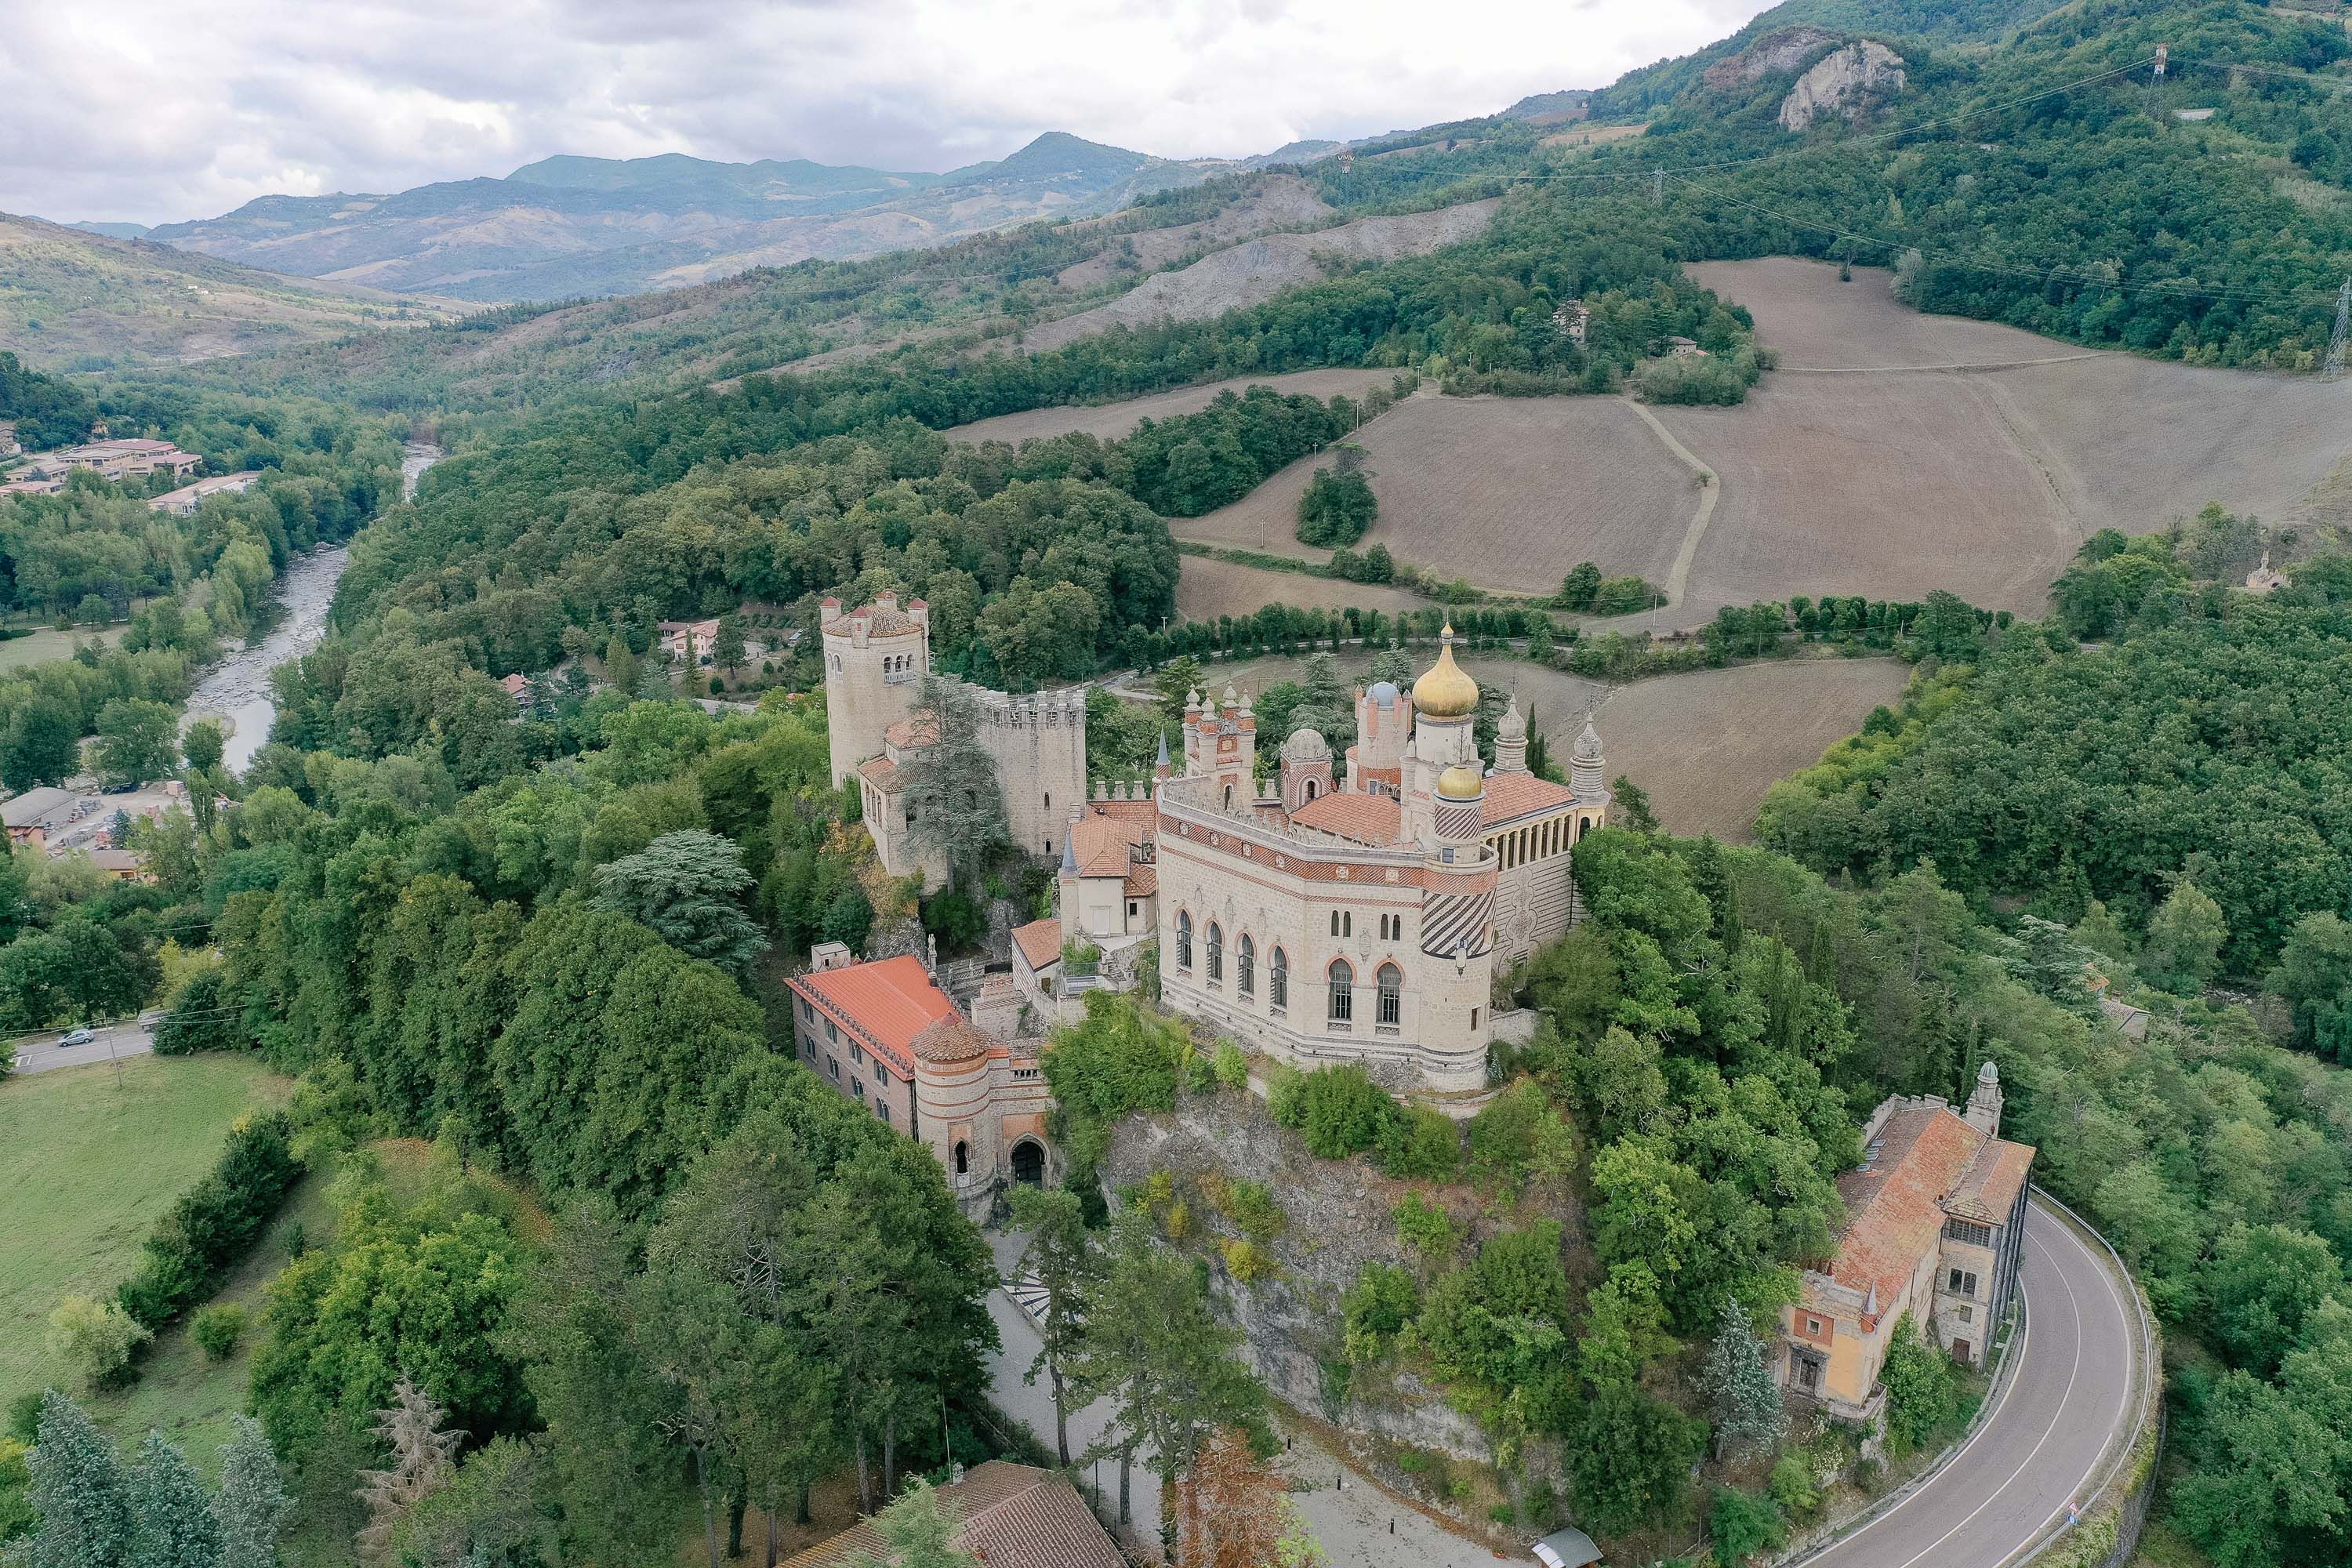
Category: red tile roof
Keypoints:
(1988, 1188)
(1512, 795)
(1040, 942)
(950, 1039)
(1143, 881)
(881, 773)
(1895, 1203)
(884, 1004)
(1366, 819)
(917, 731)
(1007, 1516)
(1102, 843)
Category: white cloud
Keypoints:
(150, 111)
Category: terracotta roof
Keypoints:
(1143, 881)
(882, 621)
(917, 729)
(1007, 1516)
(1510, 796)
(1895, 1202)
(950, 1039)
(1040, 942)
(886, 1003)
(1988, 1189)
(881, 773)
(1366, 819)
(1103, 843)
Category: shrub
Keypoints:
(1232, 1067)
(1345, 1112)
(215, 1222)
(1428, 1229)
(1336, 509)
(202, 1020)
(1376, 1308)
(1249, 1204)
(1794, 1486)
(1923, 1389)
(1743, 1524)
(1422, 1144)
(98, 1338)
(1248, 1261)
(217, 1329)
(955, 920)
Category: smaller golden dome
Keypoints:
(1458, 783)
(1445, 690)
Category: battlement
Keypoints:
(1034, 709)
(1199, 802)
(884, 618)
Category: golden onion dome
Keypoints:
(1445, 690)
(1458, 783)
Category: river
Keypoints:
(235, 691)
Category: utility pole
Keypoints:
(2335, 342)
(1658, 188)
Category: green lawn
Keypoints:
(49, 643)
(85, 1169)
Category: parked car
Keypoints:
(79, 1038)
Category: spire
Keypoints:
(1511, 741)
(1585, 768)
(1161, 767)
(1069, 853)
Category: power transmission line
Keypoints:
(2343, 329)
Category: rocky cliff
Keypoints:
(1338, 1219)
(1848, 82)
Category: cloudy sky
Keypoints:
(150, 111)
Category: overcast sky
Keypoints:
(151, 112)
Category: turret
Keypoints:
(1584, 764)
(1511, 741)
(1984, 1103)
(1305, 768)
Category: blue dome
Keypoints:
(1384, 693)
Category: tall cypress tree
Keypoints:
(1748, 1409)
(252, 1502)
(173, 1518)
(81, 1493)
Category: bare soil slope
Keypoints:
(1112, 420)
(1894, 453)
(1510, 492)
(1254, 272)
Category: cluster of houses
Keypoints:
(61, 821)
(131, 457)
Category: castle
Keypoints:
(1364, 921)
(875, 659)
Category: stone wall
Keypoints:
(1339, 1220)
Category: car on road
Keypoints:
(77, 1038)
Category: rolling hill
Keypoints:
(71, 299)
(571, 227)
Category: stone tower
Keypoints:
(1038, 743)
(1305, 769)
(875, 658)
(1984, 1103)
(1220, 743)
(1584, 764)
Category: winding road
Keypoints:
(2059, 1421)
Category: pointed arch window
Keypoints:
(1391, 997)
(1277, 980)
(1343, 992)
(1216, 952)
(1183, 940)
(1246, 967)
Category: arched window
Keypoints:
(1229, 797)
(1343, 992)
(1049, 800)
(1391, 1003)
(1183, 940)
(1334, 922)
(1583, 823)
(1217, 951)
(1277, 980)
(1246, 967)
(1348, 922)
(962, 1158)
(1311, 789)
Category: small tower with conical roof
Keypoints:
(1511, 741)
(1305, 768)
(1984, 1102)
(1585, 768)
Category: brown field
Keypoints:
(1256, 270)
(1510, 492)
(1112, 420)
(1705, 745)
(1208, 589)
(1894, 453)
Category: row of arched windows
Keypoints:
(898, 666)
(1340, 992)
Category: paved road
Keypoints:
(40, 1053)
(2043, 1445)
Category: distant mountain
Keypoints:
(73, 298)
(569, 227)
(114, 230)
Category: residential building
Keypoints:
(1006, 1516)
(968, 1088)
(183, 502)
(133, 457)
(1935, 1230)
(689, 642)
(34, 817)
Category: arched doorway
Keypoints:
(1029, 1163)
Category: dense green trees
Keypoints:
(48, 410)
(1337, 508)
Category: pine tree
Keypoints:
(252, 1503)
(620, 664)
(173, 1518)
(422, 1464)
(81, 1494)
(1747, 1411)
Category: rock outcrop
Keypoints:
(1846, 81)
(1339, 1220)
(1785, 50)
